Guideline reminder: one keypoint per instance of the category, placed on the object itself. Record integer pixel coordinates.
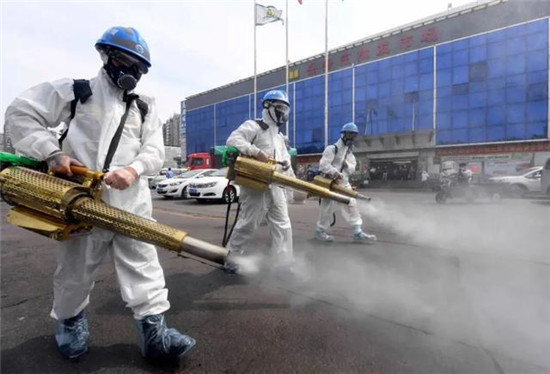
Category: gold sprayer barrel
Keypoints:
(333, 185)
(61, 209)
(259, 175)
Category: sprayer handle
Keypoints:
(85, 172)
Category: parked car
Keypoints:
(153, 181)
(527, 180)
(545, 179)
(214, 187)
(177, 186)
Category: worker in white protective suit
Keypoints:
(110, 104)
(261, 140)
(338, 162)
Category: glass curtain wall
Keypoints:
(494, 87)
(309, 106)
(200, 129)
(229, 115)
(395, 95)
(339, 103)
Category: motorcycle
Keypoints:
(451, 187)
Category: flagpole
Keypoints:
(286, 62)
(255, 80)
(326, 73)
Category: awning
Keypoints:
(394, 156)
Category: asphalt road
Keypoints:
(455, 288)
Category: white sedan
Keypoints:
(527, 180)
(177, 186)
(214, 187)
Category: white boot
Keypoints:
(322, 235)
(362, 237)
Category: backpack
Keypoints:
(82, 92)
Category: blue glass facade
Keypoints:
(229, 113)
(339, 104)
(309, 115)
(395, 95)
(200, 129)
(491, 87)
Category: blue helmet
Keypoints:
(277, 95)
(350, 127)
(126, 39)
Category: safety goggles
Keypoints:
(281, 108)
(129, 61)
(350, 135)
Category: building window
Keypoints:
(478, 71)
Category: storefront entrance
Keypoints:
(393, 170)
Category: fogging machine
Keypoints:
(61, 209)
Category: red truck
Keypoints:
(199, 161)
(212, 160)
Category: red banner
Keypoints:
(494, 148)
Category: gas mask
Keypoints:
(348, 138)
(124, 70)
(278, 111)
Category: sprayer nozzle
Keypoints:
(363, 197)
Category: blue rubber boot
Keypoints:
(322, 236)
(359, 236)
(157, 341)
(72, 336)
(231, 264)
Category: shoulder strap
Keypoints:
(128, 98)
(264, 126)
(344, 162)
(143, 108)
(345, 156)
(82, 91)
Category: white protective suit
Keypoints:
(249, 138)
(331, 162)
(140, 275)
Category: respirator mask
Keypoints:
(123, 69)
(348, 138)
(278, 111)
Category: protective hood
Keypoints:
(266, 117)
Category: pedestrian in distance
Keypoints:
(169, 173)
(113, 129)
(385, 175)
(338, 163)
(262, 140)
(424, 177)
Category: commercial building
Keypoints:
(171, 130)
(469, 84)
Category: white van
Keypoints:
(545, 179)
